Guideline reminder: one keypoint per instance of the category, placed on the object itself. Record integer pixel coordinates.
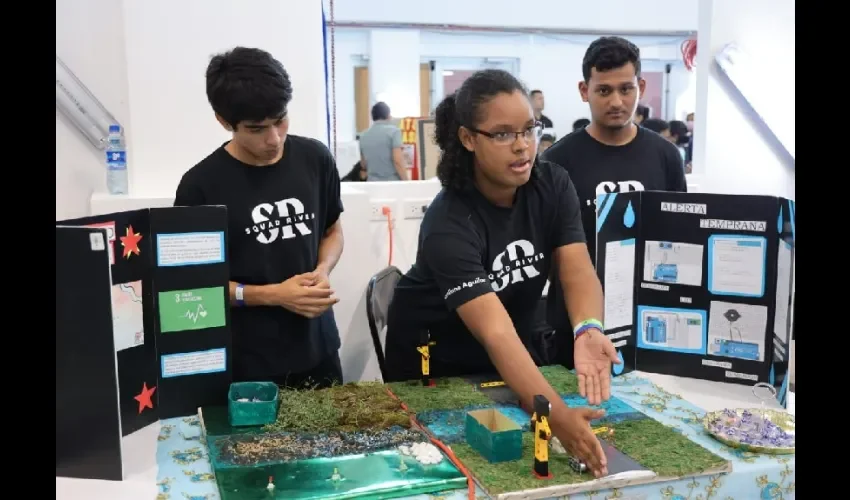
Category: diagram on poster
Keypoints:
(619, 283)
(783, 291)
(736, 265)
(673, 263)
(181, 310)
(737, 330)
(128, 325)
(670, 329)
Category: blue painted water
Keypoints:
(629, 216)
(618, 369)
(449, 425)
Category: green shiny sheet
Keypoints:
(371, 476)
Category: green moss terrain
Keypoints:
(347, 408)
(457, 393)
(649, 443)
(661, 449)
(448, 394)
(516, 475)
(561, 379)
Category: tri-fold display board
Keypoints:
(169, 336)
(698, 285)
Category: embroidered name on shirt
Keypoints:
(281, 220)
(465, 284)
(521, 258)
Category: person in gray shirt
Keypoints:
(380, 147)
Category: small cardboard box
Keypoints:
(261, 407)
(495, 436)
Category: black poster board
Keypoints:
(129, 248)
(175, 260)
(194, 345)
(618, 282)
(88, 422)
(711, 282)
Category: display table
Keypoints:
(673, 401)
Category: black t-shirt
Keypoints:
(469, 247)
(277, 216)
(649, 162)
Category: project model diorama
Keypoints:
(371, 440)
(161, 275)
(699, 285)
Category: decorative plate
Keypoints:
(753, 429)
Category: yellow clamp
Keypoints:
(485, 385)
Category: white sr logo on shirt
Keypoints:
(606, 187)
(282, 220)
(521, 258)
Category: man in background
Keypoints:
(538, 103)
(681, 137)
(381, 147)
(545, 143)
(659, 126)
(612, 154)
(679, 133)
(641, 114)
(580, 124)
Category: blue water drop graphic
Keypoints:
(618, 369)
(780, 222)
(629, 216)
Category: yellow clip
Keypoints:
(485, 385)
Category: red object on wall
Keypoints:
(689, 53)
(411, 144)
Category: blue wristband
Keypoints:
(586, 325)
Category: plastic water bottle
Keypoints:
(116, 162)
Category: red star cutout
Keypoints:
(130, 242)
(144, 398)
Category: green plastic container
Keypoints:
(495, 436)
(261, 407)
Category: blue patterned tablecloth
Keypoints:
(185, 474)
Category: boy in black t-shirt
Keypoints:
(612, 154)
(283, 204)
(485, 248)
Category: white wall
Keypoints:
(90, 40)
(147, 67)
(614, 16)
(173, 126)
(732, 151)
(393, 71)
(405, 231)
(548, 63)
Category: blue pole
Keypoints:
(327, 79)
